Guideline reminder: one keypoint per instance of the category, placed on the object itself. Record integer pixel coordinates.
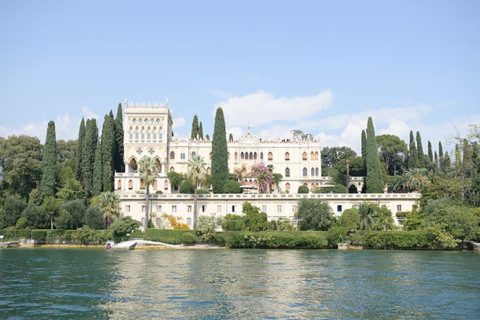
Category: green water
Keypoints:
(212, 284)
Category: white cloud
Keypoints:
(88, 113)
(262, 107)
(178, 122)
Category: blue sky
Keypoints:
(274, 65)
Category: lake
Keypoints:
(231, 284)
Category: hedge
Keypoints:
(274, 239)
(164, 235)
(15, 234)
(397, 240)
(80, 236)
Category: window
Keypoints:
(399, 207)
(233, 208)
(203, 208)
(159, 208)
(339, 208)
(294, 208)
(270, 156)
(136, 136)
(242, 156)
(119, 185)
(251, 156)
(154, 185)
(130, 184)
(304, 156)
(316, 155)
(143, 208)
(174, 208)
(287, 172)
(254, 156)
(154, 137)
(189, 208)
(236, 156)
(264, 208)
(158, 221)
(130, 136)
(127, 208)
(312, 155)
(317, 172)
(305, 172)
(194, 154)
(261, 155)
(287, 186)
(148, 137)
(143, 136)
(189, 221)
(172, 155)
(287, 156)
(182, 155)
(160, 135)
(165, 185)
(219, 209)
(312, 172)
(279, 208)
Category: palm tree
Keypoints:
(198, 175)
(110, 206)
(414, 179)
(148, 169)
(366, 216)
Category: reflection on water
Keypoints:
(92, 283)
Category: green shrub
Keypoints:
(336, 235)
(93, 218)
(186, 187)
(206, 228)
(232, 222)
(254, 220)
(15, 234)
(87, 236)
(314, 214)
(22, 223)
(162, 235)
(123, 226)
(274, 239)
(55, 235)
(188, 238)
(232, 186)
(303, 189)
(397, 240)
(39, 235)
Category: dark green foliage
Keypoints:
(78, 155)
(274, 239)
(118, 150)
(336, 235)
(350, 219)
(440, 156)
(76, 209)
(219, 153)
(88, 155)
(13, 207)
(39, 235)
(303, 189)
(412, 153)
(420, 154)
(163, 235)
(314, 214)
(49, 181)
(188, 238)
(364, 144)
(331, 156)
(93, 218)
(21, 223)
(98, 172)
(36, 216)
(15, 234)
(430, 152)
(63, 220)
(175, 179)
(375, 217)
(123, 226)
(393, 152)
(430, 238)
(232, 222)
(207, 137)
(232, 186)
(337, 188)
(187, 187)
(108, 152)
(83, 236)
(200, 130)
(195, 128)
(254, 220)
(66, 151)
(21, 164)
(374, 180)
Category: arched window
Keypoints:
(172, 155)
(261, 155)
(236, 156)
(242, 156)
(133, 165)
(130, 184)
(316, 155)
(287, 156)
(270, 156)
(159, 165)
(209, 171)
(119, 185)
(316, 172)
(251, 156)
(287, 172)
(312, 155)
(305, 172)
(172, 169)
(255, 156)
(304, 156)
(165, 185)
(312, 172)
(287, 186)
(154, 184)
(194, 154)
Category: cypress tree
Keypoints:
(446, 161)
(440, 156)
(420, 154)
(194, 134)
(430, 153)
(78, 156)
(374, 179)
(219, 153)
(88, 155)
(436, 160)
(118, 161)
(49, 180)
(413, 155)
(108, 144)
(98, 171)
(364, 144)
(200, 130)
